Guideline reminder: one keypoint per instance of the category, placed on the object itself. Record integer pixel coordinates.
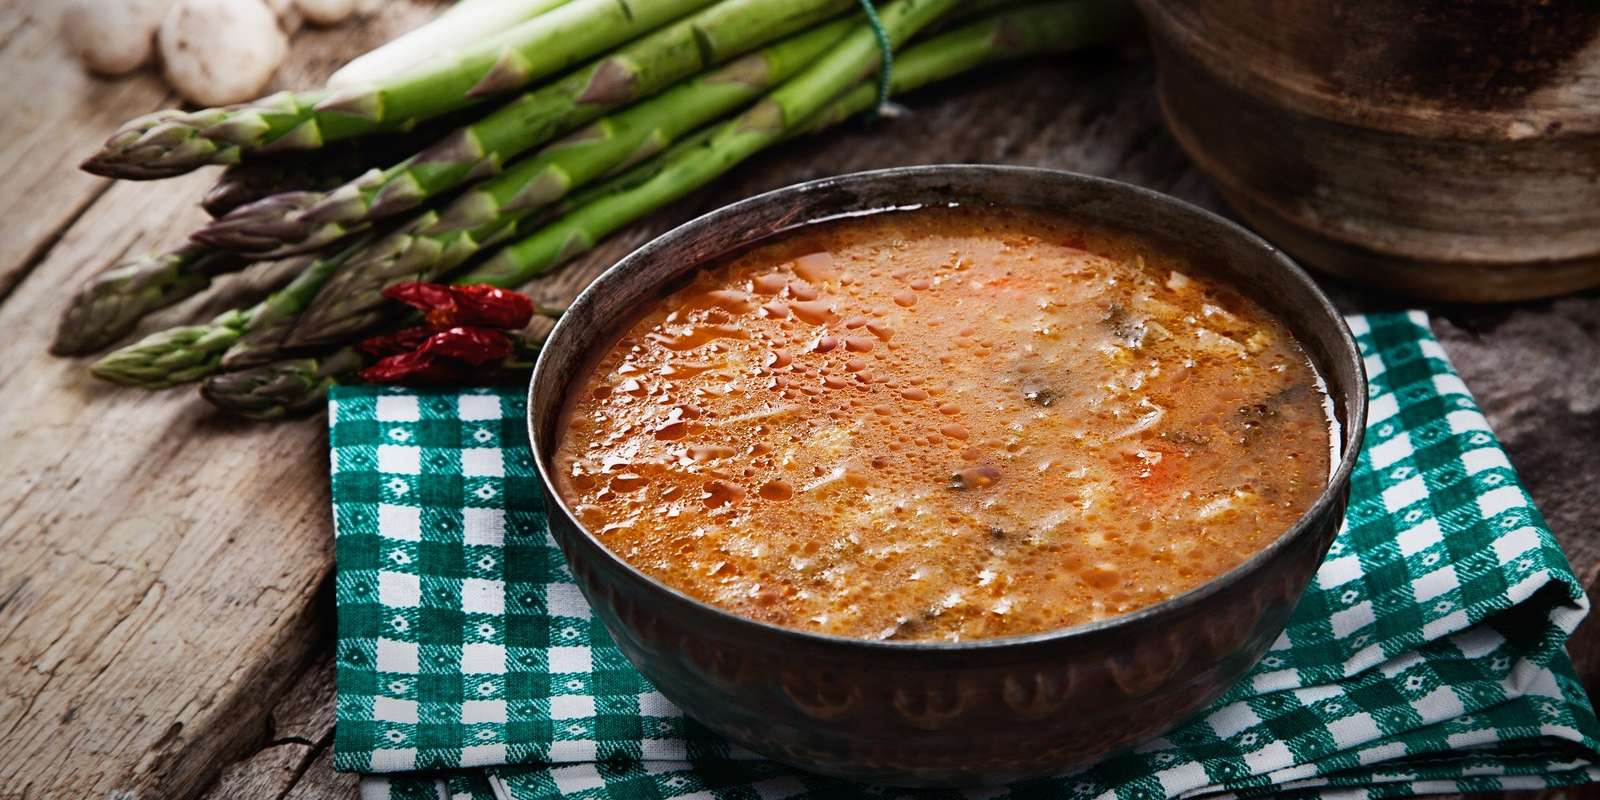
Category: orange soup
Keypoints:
(944, 424)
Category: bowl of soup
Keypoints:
(948, 475)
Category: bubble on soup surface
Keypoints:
(720, 493)
(776, 490)
(628, 482)
(979, 476)
(709, 452)
(672, 431)
(770, 283)
(816, 312)
(816, 267)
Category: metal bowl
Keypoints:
(976, 712)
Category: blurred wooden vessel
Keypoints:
(1445, 148)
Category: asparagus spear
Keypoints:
(173, 142)
(275, 390)
(1017, 33)
(296, 384)
(280, 388)
(288, 173)
(321, 170)
(462, 24)
(435, 242)
(250, 181)
(261, 343)
(280, 226)
(113, 302)
(687, 168)
(344, 311)
(349, 307)
(191, 352)
(1011, 34)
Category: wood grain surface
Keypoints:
(165, 623)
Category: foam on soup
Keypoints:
(944, 424)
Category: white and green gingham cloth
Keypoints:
(1427, 657)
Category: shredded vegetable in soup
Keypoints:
(944, 424)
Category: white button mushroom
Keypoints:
(112, 37)
(217, 52)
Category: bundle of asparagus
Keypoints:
(514, 168)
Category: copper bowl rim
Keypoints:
(1351, 434)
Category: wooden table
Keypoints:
(165, 613)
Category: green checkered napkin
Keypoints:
(1428, 655)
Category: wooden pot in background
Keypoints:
(1445, 148)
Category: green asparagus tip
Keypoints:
(279, 389)
(271, 227)
(160, 145)
(266, 392)
(173, 356)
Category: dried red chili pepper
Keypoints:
(401, 341)
(461, 331)
(474, 345)
(416, 369)
(421, 296)
(491, 306)
(475, 304)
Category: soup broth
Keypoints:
(944, 423)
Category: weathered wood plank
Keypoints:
(320, 782)
(299, 733)
(54, 115)
(158, 562)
